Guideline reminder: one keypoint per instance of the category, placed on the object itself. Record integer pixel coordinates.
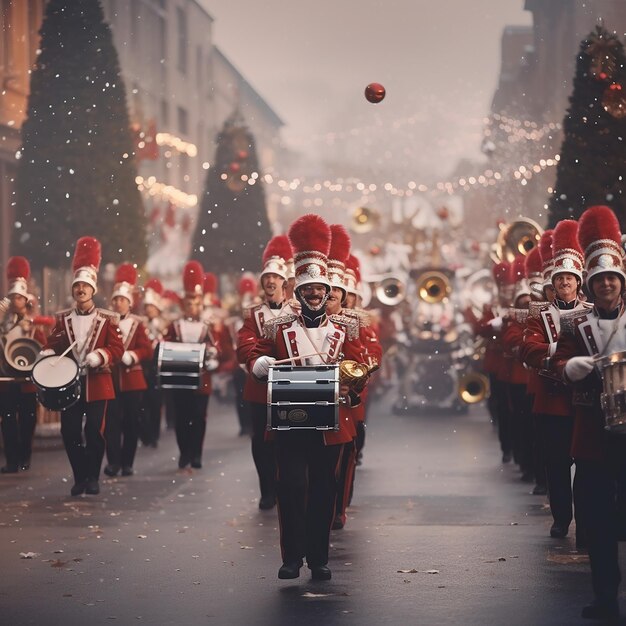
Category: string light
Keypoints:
(166, 139)
(177, 197)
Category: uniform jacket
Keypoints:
(285, 337)
(105, 338)
(512, 338)
(138, 343)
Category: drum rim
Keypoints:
(61, 358)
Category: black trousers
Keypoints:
(18, 412)
(522, 427)
(345, 479)
(556, 433)
(500, 395)
(307, 488)
(190, 412)
(122, 428)
(263, 452)
(360, 438)
(85, 454)
(243, 406)
(150, 418)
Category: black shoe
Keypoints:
(290, 570)
(267, 502)
(92, 488)
(540, 490)
(112, 470)
(196, 463)
(9, 469)
(527, 477)
(601, 610)
(78, 488)
(154, 444)
(127, 470)
(25, 465)
(321, 572)
(506, 457)
(558, 531)
(337, 523)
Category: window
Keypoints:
(181, 21)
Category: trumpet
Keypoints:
(355, 374)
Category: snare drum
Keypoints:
(57, 380)
(613, 372)
(304, 397)
(179, 365)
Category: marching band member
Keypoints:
(599, 454)
(18, 403)
(156, 326)
(191, 405)
(122, 425)
(273, 281)
(97, 347)
(308, 459)
(564, 260)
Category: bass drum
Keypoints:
(179, 365)
(57, 380)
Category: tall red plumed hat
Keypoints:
(276, 255)
(534, 274)
(18, 273)
(172, 296)
(352, 277)
(86, 262)
(518, 275)
(547, 256)
(310, 240)
(246, 285)
(600, 238)
(210, 286)
(153, 290)
(338, 255)
(125, 281)
(193, 279)
(568, 255)
(502, 274)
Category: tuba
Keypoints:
(473, 387)
(390, 290)
(21, 353)
(364, 220)
(433, 287)
(518, 237)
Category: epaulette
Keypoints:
(112, 316)
(351, 324)
(270, 328)
(571, 319)
(364, 318)
(535, 308)
(247, 312)
(519, 315)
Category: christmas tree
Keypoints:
(592, 165)
(76, 175)
(232, 228)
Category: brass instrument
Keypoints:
(355, 374)
(21, 353)
(390, 290)
(473, 387)
(364, 220)
(479, 290)
(433, 287)
(518, 237)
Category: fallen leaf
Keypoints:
(431, 571)
(308, 594)
(246, 547)
(407, 571)
(142, 536)
(28, 555)
(58, 563)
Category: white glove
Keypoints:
(48, 352)
(261, 366)
(496, 323)
(578, 367)
(211, 362)
(93, 360)
(127, 358)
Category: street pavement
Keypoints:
(440, 532)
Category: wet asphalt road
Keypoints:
(439, 533)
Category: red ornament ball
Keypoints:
(614, 101)
(242, 155)
(234, 167)
(374, 93)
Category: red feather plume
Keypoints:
(545, 246)
(310, 232)
(278, 246)
(18, 267)
(501, 273)
(566, 236)
(193, 276)
(155, 285)
(88, 252)
(533, 262)
(339, 243)
(168, 294)
(126, 273)
(598, 222)
(209, 283)
(246, 285)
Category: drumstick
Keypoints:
(62, 355)
(297, 358)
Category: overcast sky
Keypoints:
(312, 60)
